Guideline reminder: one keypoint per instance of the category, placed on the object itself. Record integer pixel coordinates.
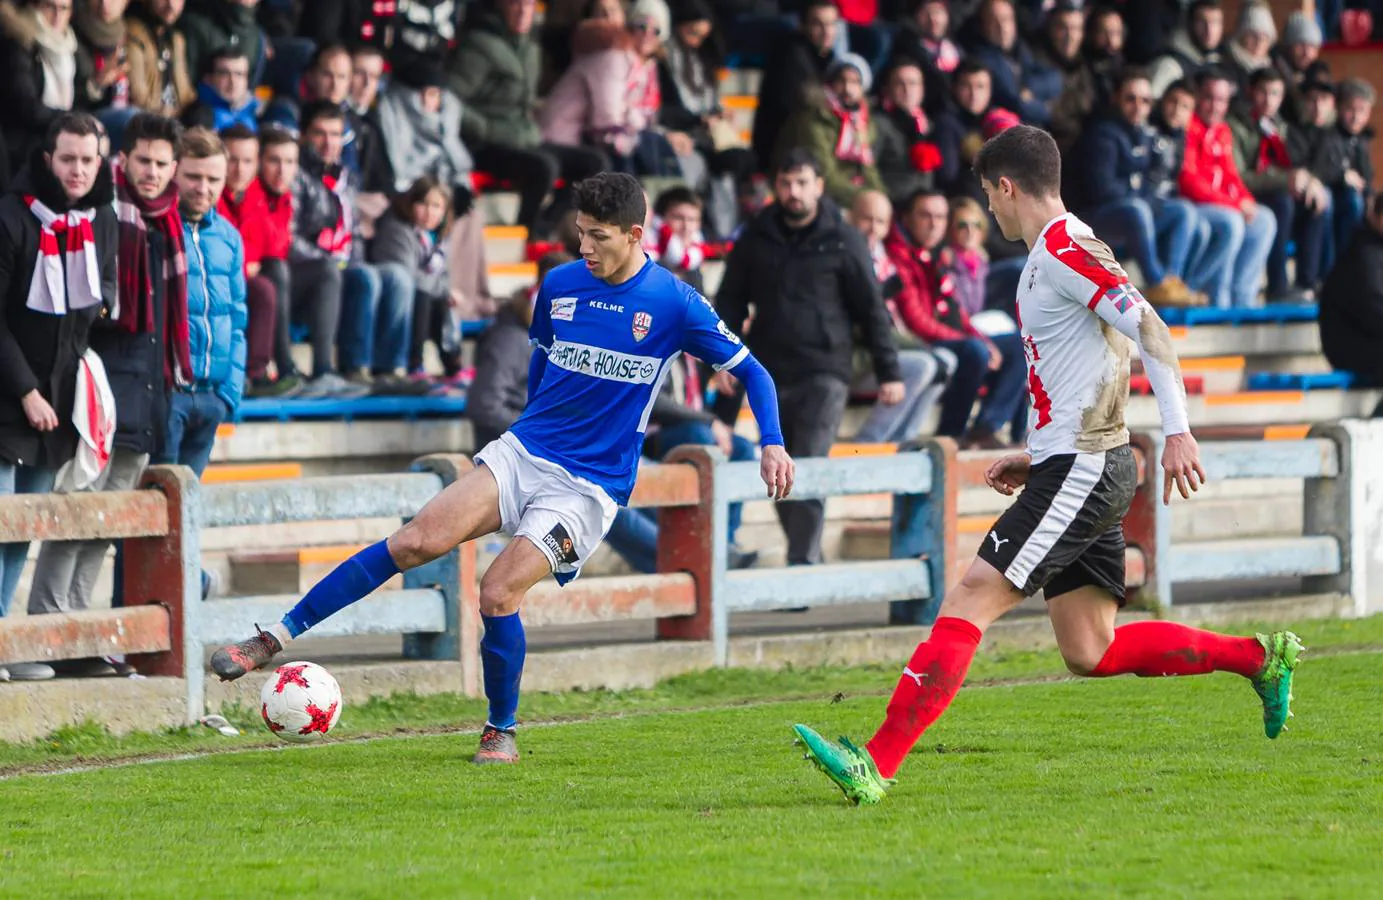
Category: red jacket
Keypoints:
(1208, 174)
(858, 12)
(265, 223)
(926, 300)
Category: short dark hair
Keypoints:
(916, 197)
(417, 192)
(795, 158)
(814, 4)
(676, 196)
(1202, 6)
(366, 50)
(326, 52)
(551, 260)
(613, 198)
(238, 132)
(1026, 156)
(273, 136)
(229, 51)
(1265, 75)
(79, 123)
(320, 109)
(1214, 73)
(969, 66)
(147, 126)
(1181, 85)
(1130, 73)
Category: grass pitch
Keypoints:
(1036, 788)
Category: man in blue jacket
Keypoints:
(1121, 199)
(216, 310)
(1021, 83)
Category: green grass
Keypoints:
(410, 713)
(1122, 788)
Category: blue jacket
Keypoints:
(1042, 81)
(216, 310)
(1116, 162)
(210, 111)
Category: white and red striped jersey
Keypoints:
(1076, 307)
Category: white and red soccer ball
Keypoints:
(300, 702)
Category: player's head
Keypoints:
(610, 212)
(1017, 167)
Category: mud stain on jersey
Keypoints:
(1102, 423)
(1157, 343)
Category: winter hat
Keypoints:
(1258, 18)
(684, 11)
(1302, 29)
(851, 61)
(421, 73)
(654, 11)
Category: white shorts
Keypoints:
(564, 516)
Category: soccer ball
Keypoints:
(300, 702)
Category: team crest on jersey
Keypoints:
(642, 322)
(564, 308)
(726, 333)
(1124, 297)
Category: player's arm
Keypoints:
(1090, 275)
(706, 337)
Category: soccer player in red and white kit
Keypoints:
(1063, 535)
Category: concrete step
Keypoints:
(506, 244)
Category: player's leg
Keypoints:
(503, 648)
(467, 508)
(930, 681)
(1082, 606)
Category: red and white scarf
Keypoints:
(852, 144)
(51, 291)
(337, 241)
(677, 253)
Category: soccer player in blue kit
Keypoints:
(606, 330)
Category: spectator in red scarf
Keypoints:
(244, 204)
(924, 38)
(100, 29)
(675, 230)
(928, 305)
(1298, 198)
(914, 150)
(144, 346)
(58, 238)
(838, 131)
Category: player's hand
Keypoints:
(1181, 463)
(891, 393)
(724, 436)
(777, 470)
(1009, 474)
(39, 413)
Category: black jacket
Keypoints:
(24, 119)
(1351, 313)
(794, 69)
(39, 351)
(134, 366)
(810, 289)
(314, 209)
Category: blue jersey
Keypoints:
(608, 348)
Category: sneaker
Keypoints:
(735, 558)
(978, 438)
(851, 768)
(397, 385)
(290, 385)
(229, 663)
(497, 747)
(31, 672)
(333, 386)
(1281, 653)
(1171, 291)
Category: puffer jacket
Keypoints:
(495, 73)
(216, 310)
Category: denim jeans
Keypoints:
(634, 536)
(1231, 265)
(1156, 234)
(18, 480)
(1006, 384)
(193, 418)
(376, 317)
(696, 434)
(921, 389)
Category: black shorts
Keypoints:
(1066, 530)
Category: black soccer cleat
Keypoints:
(229, 663)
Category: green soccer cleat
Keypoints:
(1281, 653)
(851, 768)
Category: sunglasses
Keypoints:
(964, 224)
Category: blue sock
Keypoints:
(347, 583)
(502, 650)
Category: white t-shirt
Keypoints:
(1075, 309)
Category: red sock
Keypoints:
(1154, 649)
(929, 684)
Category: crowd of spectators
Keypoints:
(326, 191)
